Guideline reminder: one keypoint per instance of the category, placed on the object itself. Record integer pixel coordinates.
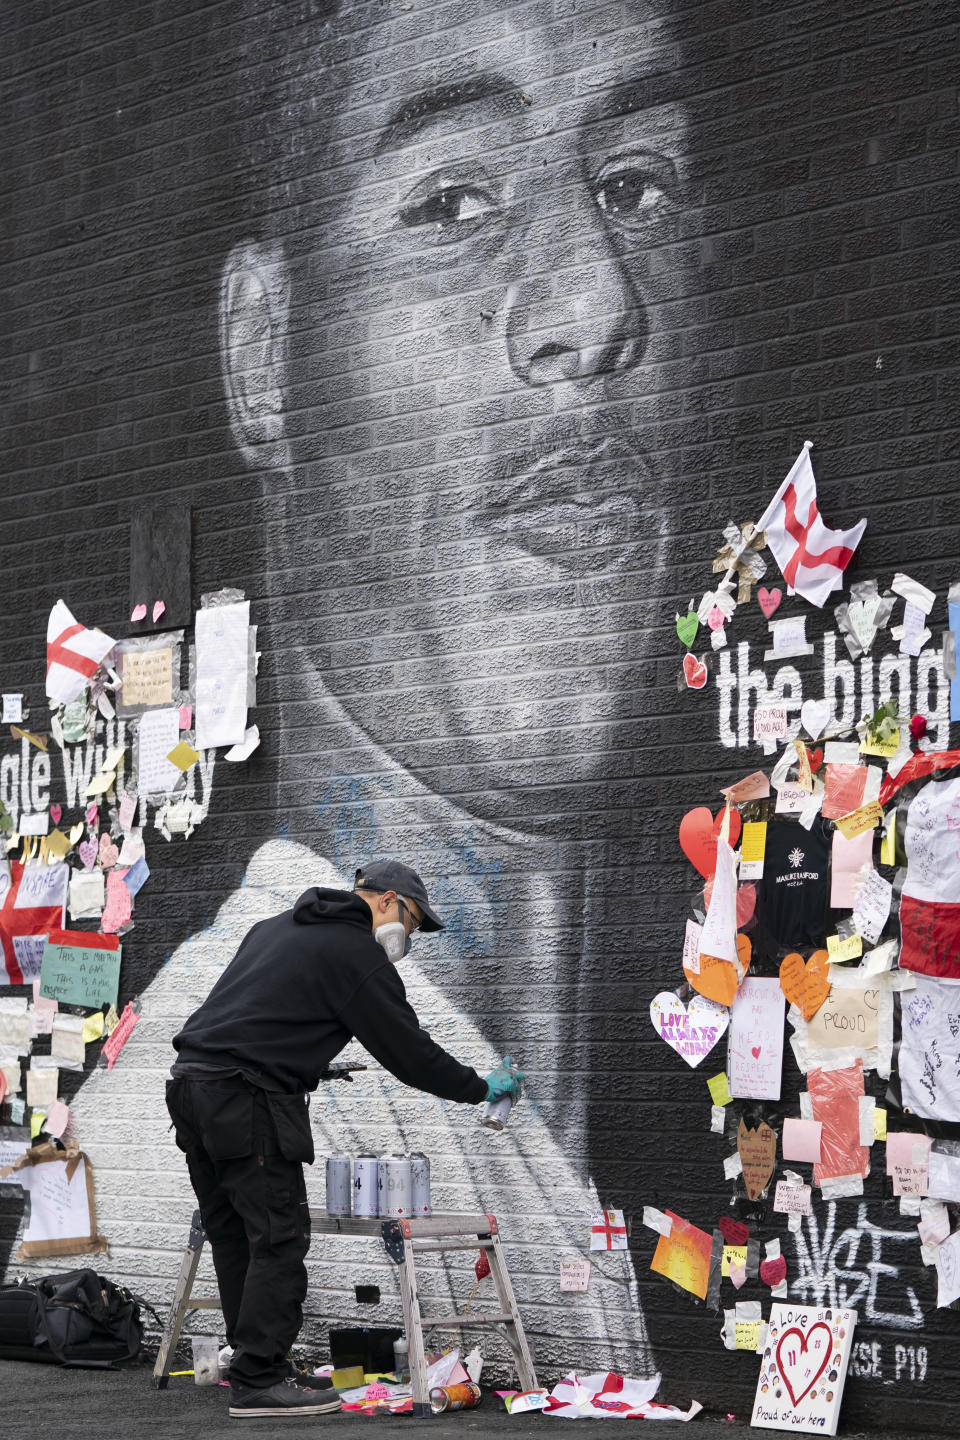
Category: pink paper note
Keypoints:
(801, 1140)
(119, 907)
(128, 808)
(186, 716)
(849, 856)
(58, 1117)
(120, 1035)
(908, 1162)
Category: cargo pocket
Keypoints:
(228, 1125)
(291, 1120)
(287, 1212)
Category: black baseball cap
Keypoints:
(384, 875)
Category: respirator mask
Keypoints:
(394, 939)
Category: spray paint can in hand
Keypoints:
(419, 1184)
(339, 1185)
(365, 1171)
(393, 1187)
(455, 1397)
(496, 1113)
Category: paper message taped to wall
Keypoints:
(755, 1046)
(575, 1275)
(222, 643)
(147, 677)
(683, 1256)
(59, 1207)
(158, 734)
(757, 1149)
(848, 1017)
(792, 1199)
(80, 969)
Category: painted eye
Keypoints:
(631, 189)
(455, 211)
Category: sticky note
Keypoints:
(849, 949)
(183, 756)
(868, 817)
(719, 1090)
(879, 1124)
(735, 1253)
(801, 1139)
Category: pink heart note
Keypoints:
(92, 813)
(88, 853)
(108, 852)
(769, 599)
(138, 612)
(55, 813)
(756, 1051)
(716, 619)
(158, 608)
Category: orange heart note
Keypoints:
(806, 985)
(717, 979)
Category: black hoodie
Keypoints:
(300, 987)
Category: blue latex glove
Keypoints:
(505, 1080)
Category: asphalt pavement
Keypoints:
(40, 1401)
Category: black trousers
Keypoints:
(245, 1150)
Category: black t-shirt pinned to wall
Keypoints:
(793, 901)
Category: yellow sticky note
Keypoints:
(849, 949)
(736, 1253)
(37, 1118)
(93, 1027)
(868, 817)
(56, 845)
(753, 843)
(719, 1090)
(183, 756)
(101, 783)
(879, 1124)
(747, 1334)
(888, 845)
(885, 748)
(111, 1020)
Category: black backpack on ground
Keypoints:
(80, 1319)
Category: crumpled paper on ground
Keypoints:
(607, 1395)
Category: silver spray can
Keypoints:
(419, 1184)
(365, 1169)
(496, 1113)
(393, 1185)
(339, 1185)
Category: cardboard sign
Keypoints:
(758, 1155)
(848, 1017)
(804, 1369)
(806, 985)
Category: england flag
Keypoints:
(73, 654)
(812, 558)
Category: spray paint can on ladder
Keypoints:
(419, 1184)
(365, 1172)
(393, 1187)
(339, 1185)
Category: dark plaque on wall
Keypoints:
(160, 570)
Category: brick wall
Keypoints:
(463, 332)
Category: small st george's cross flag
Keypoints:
(811, 557)
(73, 654)
(608, 1231)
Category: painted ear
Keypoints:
(254, 304)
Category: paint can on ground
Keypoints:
(339, 1185)
(393, 1187)
(455, 1397)
(365, 1170)
(419, 1184)
(496, 1113)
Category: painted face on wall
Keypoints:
(476, 305)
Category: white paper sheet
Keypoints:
(59, 1209)
(42, 885)
(159, 734)
(222, 660)
(929, 1061)
(719, 937)
(755, 1044)
(948, 1271)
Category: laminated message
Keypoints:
(80, 969)
(683, 1256)
(804, 1369)
(147, 677)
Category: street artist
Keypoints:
(301, 985)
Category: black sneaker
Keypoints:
(288, 1398)
(311, 1382)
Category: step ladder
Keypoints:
(404, 1240)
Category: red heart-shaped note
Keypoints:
(746, 901)
(816, 759)
(55, 813)
(699, 832)
(694, 672)
(733, 1231)
(773, 1271)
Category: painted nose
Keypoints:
(577, 320)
